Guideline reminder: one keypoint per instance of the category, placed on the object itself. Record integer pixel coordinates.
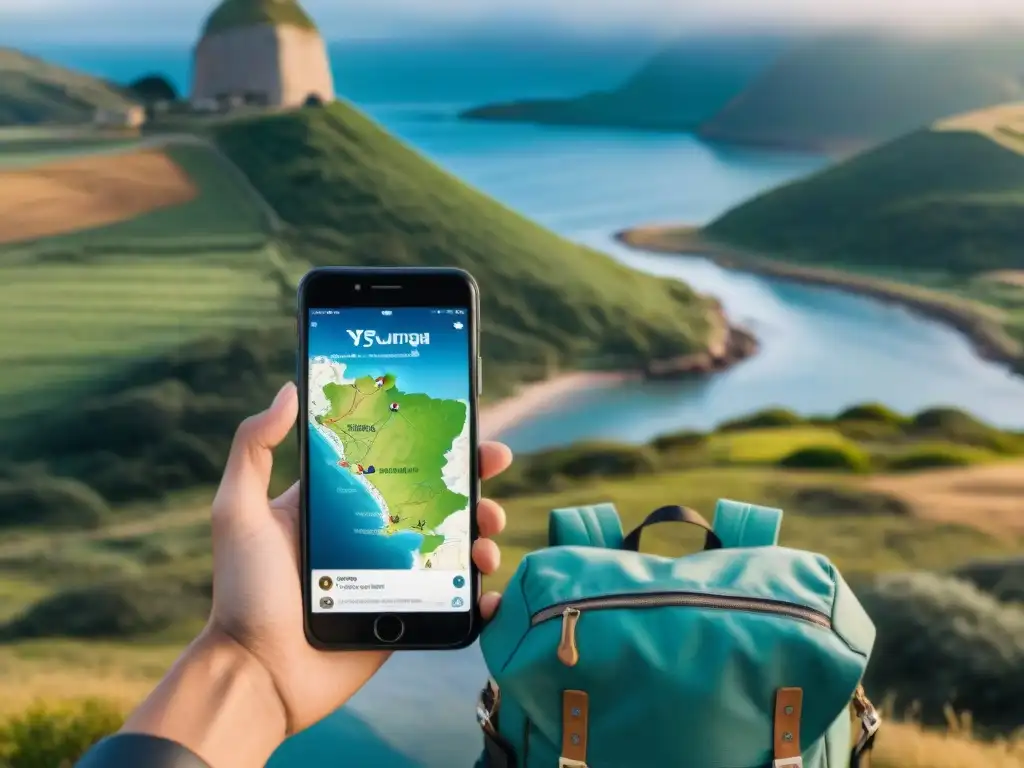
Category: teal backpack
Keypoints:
(744, 655)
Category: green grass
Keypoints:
(75, 325)
(75, 310)
(945, 202)
(352, 194)
(769, 446)
(856, 88)
(856, 543)
(35, 92)
(231, 14)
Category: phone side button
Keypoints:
(388, 628)
(479, 375)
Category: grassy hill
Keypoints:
(852, 90)
(932, 220)
(172, 325)
(101, 299)
(34, 92)
(932, 200)
(683, 84)
(352, 194)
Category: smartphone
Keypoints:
(389, 376)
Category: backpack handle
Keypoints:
(673, 514)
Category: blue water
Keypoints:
(821, 350)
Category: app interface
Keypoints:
(389, 459)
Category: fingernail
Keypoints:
(281, 392)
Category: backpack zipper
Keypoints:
(568, 653)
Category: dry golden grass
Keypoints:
(67, 671)
(899, 745)
(906, 745)
(1014, 277)
(86, 192)
(1004, 124)
(989, 498)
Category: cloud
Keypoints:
(181, 18)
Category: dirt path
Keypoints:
(85, 192)
(989, 498)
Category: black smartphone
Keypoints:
(389, 375)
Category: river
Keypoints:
(822, 349)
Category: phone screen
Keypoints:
(389, 473)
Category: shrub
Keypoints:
(116, 610)
(868, 431)
(674, 440)
(771, 417)
(551, 470)
(847, 501)
(56, 736)
(955, 426)
(874, 412)
(1004, 580)
(847, 458)
(597, 459)
(151, 88)
(936, 456)
(50, 501)
(942, 641)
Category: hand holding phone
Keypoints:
(389, 379)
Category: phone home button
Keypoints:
(388, 628)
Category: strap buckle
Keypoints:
(565, 762)
(788, 762)
(870, 720)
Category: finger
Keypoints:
(489, 604)
(490, 518)
(288, 502)
(494, 459)
(486, 555)
(251, 457)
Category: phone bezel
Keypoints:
(335, 288)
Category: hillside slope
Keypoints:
(682, 85)
(34, 92)
(352, 194)
(932, 200)
(854, 90)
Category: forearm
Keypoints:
(218, 702)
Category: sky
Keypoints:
(178, 20)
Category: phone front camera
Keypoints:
(359, 287)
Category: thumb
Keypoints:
(251, 458)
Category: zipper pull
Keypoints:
(568, 653)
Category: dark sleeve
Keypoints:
(138, 750)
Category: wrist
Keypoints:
(217, 700)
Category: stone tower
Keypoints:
(265, 52)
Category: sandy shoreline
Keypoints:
(981, 325)
(542, 395)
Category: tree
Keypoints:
(153, 88)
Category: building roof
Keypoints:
(231, 14)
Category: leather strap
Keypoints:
(574, 730)
(786, 746)
(673, 514)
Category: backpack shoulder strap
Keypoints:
(597, 525)
(739, 524)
